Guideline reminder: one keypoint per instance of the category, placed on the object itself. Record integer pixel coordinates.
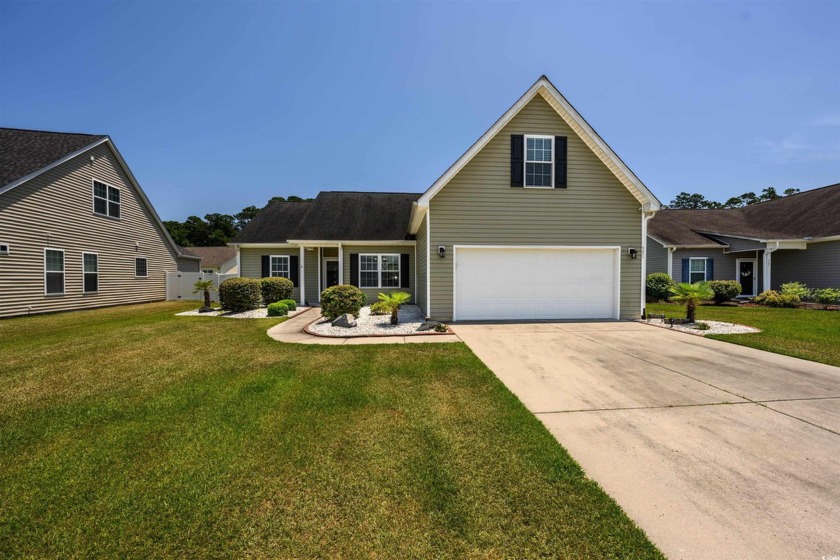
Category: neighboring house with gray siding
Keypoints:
(765, 245)
(539, 219)
(76, 230)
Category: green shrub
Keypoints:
(658, 286)
(290, 303)
(276, 288)
(827, 296)
(240, 294)
(772, 298)
(278, 309)
(701, 326)
(341, 299)
(725, 290)
(379, 308)
(797, 289)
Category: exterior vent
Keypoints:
(4, 248)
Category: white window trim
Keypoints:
(86, 273)
(93, 198)
(525, 161)
(135, 267)
(8, 248)
(379, 270)
(705, 269)
(63, 271)
(288, 266)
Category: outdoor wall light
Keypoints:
(442, 251)
(632, 252)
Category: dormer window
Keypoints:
(106, 200)
(539, 160)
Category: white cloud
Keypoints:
(794, 148)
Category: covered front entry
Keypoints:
(520, 283)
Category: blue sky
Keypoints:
(220, 105)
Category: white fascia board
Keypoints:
(54, 164)
(417, 214)
(259, 245)
(333, 243)
(568, 113)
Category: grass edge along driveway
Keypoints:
(128, 432)
(810, 334)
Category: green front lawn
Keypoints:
(812, 334)
(128, 432)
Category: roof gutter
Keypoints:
(418, 211)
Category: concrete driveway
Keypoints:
(715, 450)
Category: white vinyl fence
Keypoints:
(180, 285)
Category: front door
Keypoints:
(332, 274)
(746, 276)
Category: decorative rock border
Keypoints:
(716, 327)
(259, 313)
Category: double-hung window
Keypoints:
(90, 271)
(379, 271)
(280, 266)
(697, 270)
(141, 267)
(106, 200)
(53, 271)
(539, 161)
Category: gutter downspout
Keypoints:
(646, 216)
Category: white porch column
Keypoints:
(671, 261)
(302, 265)
(320, 282)
(765, 269)
(340, 264)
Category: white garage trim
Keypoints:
(617, 271)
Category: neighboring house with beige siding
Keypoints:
(76, 230)
(214, 260)
(539, 219)
(791, 239)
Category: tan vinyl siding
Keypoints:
(657, 257)
(373, 293)
(55, 210)
(817, 267)
(422, 259)
(479, 206)
(250, 262)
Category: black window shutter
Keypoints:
(560, 162)
(710, 269)
(686, 276)
(517, 160)
(266, 266)
(294, 270)
(404, 272)
(354, 269)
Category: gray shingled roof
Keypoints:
(814, 213)
(333, 215)
(25, 151)
(211, 256)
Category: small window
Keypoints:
(379, 271)
(141, 267)
(106, 200)
(539, 161)
(90, 271)
(4, 248)
(280, 266)
(697, 270)
(53, 271)
(208, 271)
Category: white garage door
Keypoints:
(531, 283)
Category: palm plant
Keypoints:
(204, 286)
(392, 302)
(691, 295)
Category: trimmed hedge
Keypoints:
(240, 294)
(772, 298)
(658, 286)
(797, 289)
(341, 299)
(290, 303)
(278, 309)
(724, 290)
(276, 288)
(827, 296)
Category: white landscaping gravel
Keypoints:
(366, 324)
(717, 327)
(261, 313)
